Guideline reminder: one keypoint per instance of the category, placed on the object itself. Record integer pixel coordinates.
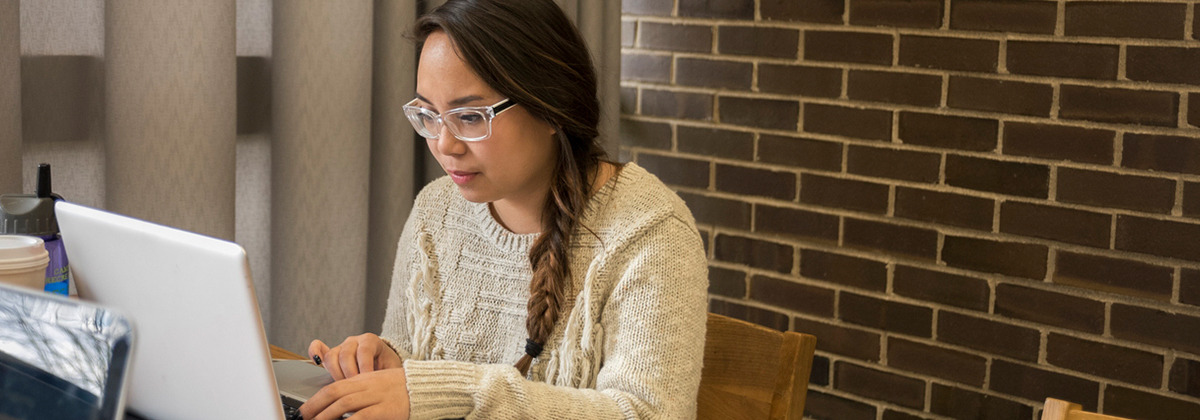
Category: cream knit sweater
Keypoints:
(628, 345)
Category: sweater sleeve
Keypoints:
(653, 323)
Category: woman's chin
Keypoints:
(473, 195)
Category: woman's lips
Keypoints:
(462, 177)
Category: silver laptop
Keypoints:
(202, 352)
(60, 358)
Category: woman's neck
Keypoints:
(523, 216)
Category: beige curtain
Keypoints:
(273, 123)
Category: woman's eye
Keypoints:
(470, 119)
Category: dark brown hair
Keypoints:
(530, 52)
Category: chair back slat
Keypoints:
(1055, 409)
(751, 372)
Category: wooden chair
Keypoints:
(1062, 410)
(753, 372)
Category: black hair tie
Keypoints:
(532, 348)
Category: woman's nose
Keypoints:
(447, 144)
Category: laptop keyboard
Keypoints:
(291, 409)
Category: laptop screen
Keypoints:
(60, 359)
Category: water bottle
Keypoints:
(33, 215)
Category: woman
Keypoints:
(536, 280)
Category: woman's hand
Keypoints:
(380, 394)
(358, 354)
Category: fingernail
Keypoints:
(317, 360)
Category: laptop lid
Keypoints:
(202, 352)
(61, 359)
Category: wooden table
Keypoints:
(278, 353)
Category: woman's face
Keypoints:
(513, 164)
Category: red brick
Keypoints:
(794, 222)
(1130, 403)
(726, 282)
(754, 253)
(989, 336)
(823, 82)
(901, 241)
(843, 193)
(676, 171)
(1163, 64)
(646, 68)
(947, 289)
(870, 124)
(895, 87)
(885, 315)
(938, 362)
(685, 105)
(945, 208)
(949, 53)
(843, 340)
(888, 414)
(1157, 328)
(1193, 116)
(818, 11)
(1059, 142)
(1162, 153)
(1050, 308)
(820, 371)
(1008, 258)
(1038, 17)
(764, 317)
(1191, 199)
(879, 385)
(759, 42)
(791, 295)
(962, 404)
(848, 47)
(1000, 96)
(1185, 377)
(713, 73)
(1105, 360)
(1125, 20)
(1123, 106)
(716, 142)
(717, 9)
(1126, 277)
(1105, 189)
(843, 269)
(718, 211)
(1056, 223)
(904, 165)
(762, 113)
(752, 181)
(948, 131)
(801, 152)
(647, 7)
(1189, 287)
(647, 134)
(1011, 178)
(1037, 384)
(1061, 59)
(675, 37)
(1163, 238)
(891, 13)
(822, 406)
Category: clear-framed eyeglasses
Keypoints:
(470, 123)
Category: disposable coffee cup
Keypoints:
(23, 261)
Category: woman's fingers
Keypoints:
(366, 356)
(347, 358)
(317, 349)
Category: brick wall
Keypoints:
(973, 204)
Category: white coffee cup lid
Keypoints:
(19, 248)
